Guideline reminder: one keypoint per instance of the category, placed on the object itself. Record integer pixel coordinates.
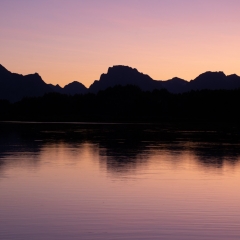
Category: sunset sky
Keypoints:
(67, 40)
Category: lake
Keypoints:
(118, 181)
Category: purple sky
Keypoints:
(79, 39)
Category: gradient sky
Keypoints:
(67, 40)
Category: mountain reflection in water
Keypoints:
(122, 147)
(118, 181)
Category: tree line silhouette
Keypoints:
(127, 104)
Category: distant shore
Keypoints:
(127, 104)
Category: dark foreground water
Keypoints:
(107, 182)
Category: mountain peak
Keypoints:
(122, 71)
(124, 75)
(75, 87)
(177, 79)
(211, 75)
(121, 68)
(3, 70)
(233, 75)
(210, 80)
(75, 83)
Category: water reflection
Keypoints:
(117, 182)
(122, 148)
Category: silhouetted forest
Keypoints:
(127, 104)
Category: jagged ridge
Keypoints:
(14, 87)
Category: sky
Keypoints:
(68, 40)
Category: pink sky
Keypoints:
(67, 40)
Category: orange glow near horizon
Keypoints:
(73, 40)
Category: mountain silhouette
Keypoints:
(14, 87)
(56, 88)
(71, 88)
(214, 81)
(124, 75)
(209, 80)
(175, 85)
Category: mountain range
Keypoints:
(14, 87)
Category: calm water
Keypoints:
(70, 181)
